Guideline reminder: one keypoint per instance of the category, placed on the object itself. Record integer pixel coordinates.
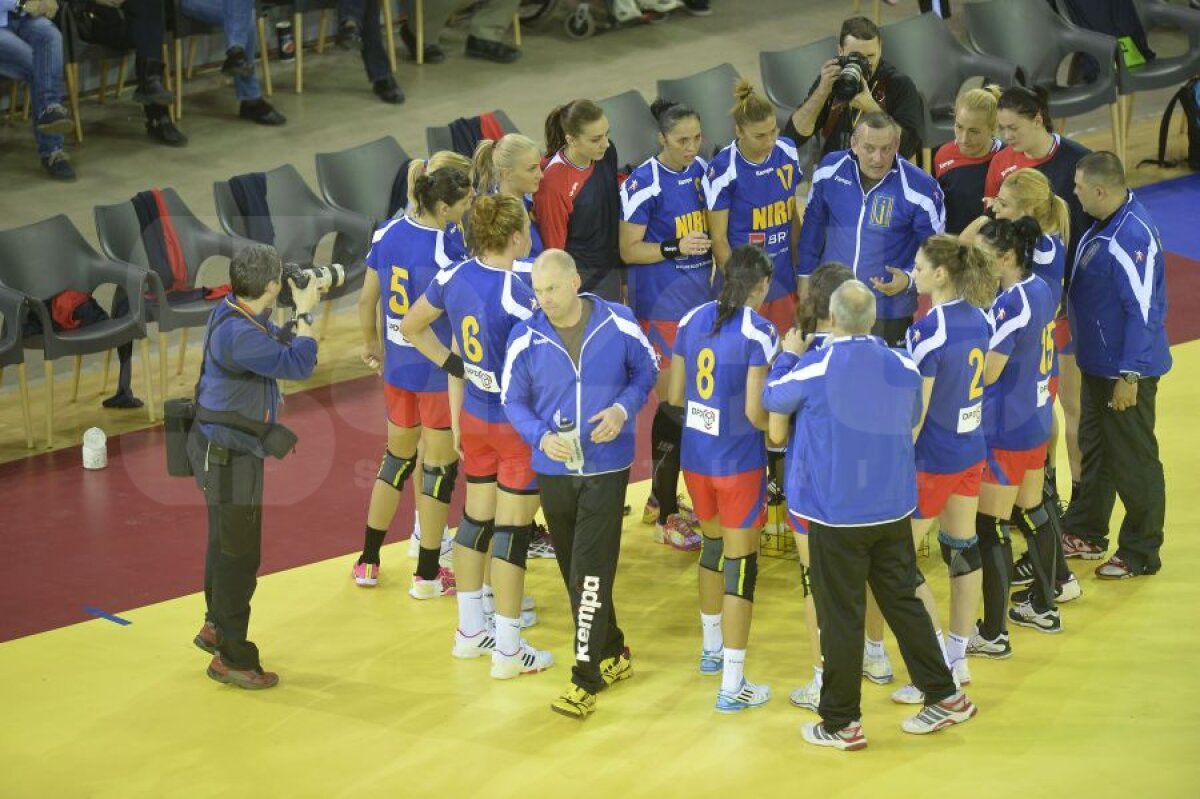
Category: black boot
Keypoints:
(150, 89)
(160, 127)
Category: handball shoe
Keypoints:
(950, 711)
(747, 696)
(366, 574)
(575, 703)
(712, 662)
(677, 533)
(997, 648)
(525, 660)
(442, 585)
(848, 739)
(807, 696)
(615, 669)
(473, 646)
(877, 670)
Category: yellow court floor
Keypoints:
(372, 703)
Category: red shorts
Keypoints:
(1007, 467)
(780, 312)
(1062, 337)
(798, 523)
(738, 501)
(494, 451)
(429, 409)
(661, 335)
(934, 490)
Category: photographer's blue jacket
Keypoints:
(1117, 301)
(244, 359)
(872, 229)
(617, 366)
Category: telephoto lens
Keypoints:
(327, 277)
(856, 70)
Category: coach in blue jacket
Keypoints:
(872, 209)
(1117, 305)
(856, 402)
(575, 376)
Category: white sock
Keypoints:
(956, 648)
(489, 600)
(470, 613)
(875, 650)
(818, 675)
(416, 525)
(735, 664)
(941, 639)
(711, 625)
(508, 635)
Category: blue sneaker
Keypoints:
(712, 662)
(749, 695)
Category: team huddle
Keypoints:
(524, 308)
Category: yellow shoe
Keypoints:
(575, 702)
(615, 669)
(650, 512)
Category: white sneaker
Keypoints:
(950, 711)
(525, 660)
(1069, 591)
(442, 585)
(807, 696)
(877, 670)
(908, 695)
(747, 696)
(473, 646)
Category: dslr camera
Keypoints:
(856, 71)
(327, 277)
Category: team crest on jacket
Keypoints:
(916, 335)
(632, 184)
(1001, 314)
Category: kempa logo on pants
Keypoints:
(589, 603)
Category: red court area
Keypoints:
(129, 535)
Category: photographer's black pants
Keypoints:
(232, 483)
(584, 515)
(844, 561)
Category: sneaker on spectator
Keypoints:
(473, 646)
(366, 574)
(877, 670)
(542, 546)
(349, 36)
(748, 695)
(712, 662)
(208, 638)
(807, 696)
(701, 8)
(616, 669)
(388, 90)
(58, 165)
(1047, 621)
(525, 660)
(1076, 547)
(163, 130)
(1115, 569)
(848, 739)
(575, 703)
(442, 585)
(249, 679)
(488, 50)
(997, 648)
(260, 112)
(677, 533)
(236, 64)
(953, 710)
(54, 119)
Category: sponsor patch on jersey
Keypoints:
(758, 239)
(704, 418)
(1043, 392)
(394, 336)
(482, 378)
(970, 418)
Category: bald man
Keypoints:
(856, 404)
(575, 376)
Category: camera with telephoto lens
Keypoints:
(856, 71)
(327, 277)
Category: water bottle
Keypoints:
(569, 433)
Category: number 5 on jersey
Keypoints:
(398, 301)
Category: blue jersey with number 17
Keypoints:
(406, 255)
(1017, 411)
(761, 201)
(718, 440)
(483, 304)
(949, 344)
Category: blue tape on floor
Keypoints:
(110, 617)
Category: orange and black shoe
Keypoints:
(208, 638)
(249, 679)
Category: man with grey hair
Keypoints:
(872, 209)
(856, 403)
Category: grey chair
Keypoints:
(1030, 35)
(787, 75)
(438, 138)
(12, 349)
(301, 220)
(120, 236)
(924, 49)
(25, 254)
(360, 179)
(632, 128)
(711, 93)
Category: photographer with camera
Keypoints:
(244, 357)
(855, 83)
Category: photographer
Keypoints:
(244, 355)
(829, 111)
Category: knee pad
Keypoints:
(741, 574)
(986, 531)
(474, 535)
(438, 481)
(961, 555)
(711, 552)
(804, 585)
(1030, 520)
(394, 471)
(511, 543)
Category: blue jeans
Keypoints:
(31, 50)
(237, 19)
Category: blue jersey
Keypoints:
(1050, 264)
(718, 439)
(950, 345)
(761, 201)
(482, 303)
(1017, 411)
(670, 205)
(407, 255)
(523, 267)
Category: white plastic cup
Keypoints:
(95, 449)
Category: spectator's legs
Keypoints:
(374, 53)
(436, 14)
(1088, 514)
(1129, 440)
(492, 20)
(238, 16)
(240, 21)
(145, 26)
(31, 50)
